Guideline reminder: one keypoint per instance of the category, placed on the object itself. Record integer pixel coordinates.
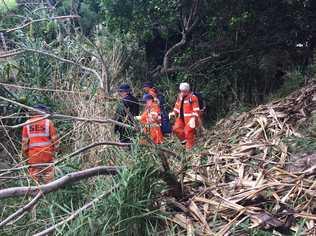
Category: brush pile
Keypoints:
(248, 180)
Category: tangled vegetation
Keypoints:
(252, 173)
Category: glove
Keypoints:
(137, 117)
(171, 114)
(192, 123)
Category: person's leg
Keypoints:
(166, 127)
(48, 174)
(156, 135)
(34, 173)
(178, 129)
(190, 135)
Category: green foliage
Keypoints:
(235, 56)
(302, 145)
(139, 17)
(89, 12)
(244, 228)
(7, 5)
(294, 80)
(131, 209)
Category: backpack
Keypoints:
(166, 127)
(202, 104)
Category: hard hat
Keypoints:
(147, 97)
(184, 87)
(124, 88)
(148, 84)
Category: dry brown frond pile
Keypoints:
(248, 175)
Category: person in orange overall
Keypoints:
(151, 90)
(151, 120)
(187, 112)
(39, 145)
(159, 98)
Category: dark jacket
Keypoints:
(125, 112)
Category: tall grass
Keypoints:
(132, 208)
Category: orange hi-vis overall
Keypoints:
(151, 119)
(186, 108)
(39, 145)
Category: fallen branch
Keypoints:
(77, 152)
(22, 210)
(111, 143)
(74, 215)
(59, 183)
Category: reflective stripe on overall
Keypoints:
(41, 138)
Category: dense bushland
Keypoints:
(73, 54)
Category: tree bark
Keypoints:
(188, 23)
(59, 183)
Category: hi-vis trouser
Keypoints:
(186, 131)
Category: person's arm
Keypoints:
(176, 109)
(196, 106)
(143, 118)
(25, 142)
(177, 106)
(157, 115)
(54, 136)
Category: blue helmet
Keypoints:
(147, 97)
(124, 88)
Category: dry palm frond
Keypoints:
(248, 172)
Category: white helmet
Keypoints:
(184, 87)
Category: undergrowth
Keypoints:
(132, 208)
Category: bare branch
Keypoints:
(22, 210)
(172, 50)
(69, 62)
(11, 53)
(59, 183)
(81, 150)
(43, 89)
(16, 52)
(108, 98)
(60, 116)
(40, 20)
(75, 153)
(188, 23)
(4, 44)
